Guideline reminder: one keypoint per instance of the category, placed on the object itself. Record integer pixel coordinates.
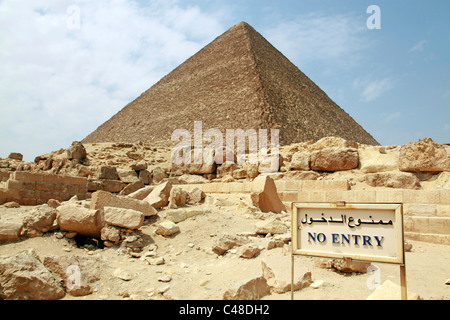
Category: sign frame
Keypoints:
(399, 258)
(396, 208)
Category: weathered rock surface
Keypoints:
(167, 228)
(226, 242)
(253, 289)
(39, 220)
(101, 199)
(24, 277)
(264, 195)
(160, 195)
(394, 179)
(334, 159)
(425, 155)
(125, 218)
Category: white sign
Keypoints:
(369, 232)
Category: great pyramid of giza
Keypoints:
(238, 81)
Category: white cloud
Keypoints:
(59, 84)
(373, 89)
(419, 46)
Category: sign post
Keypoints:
(366, 232)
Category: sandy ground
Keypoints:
(197, 273)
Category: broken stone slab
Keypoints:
(159, 197)
(142, 193)
(345, 265)
(101, 199)
(74, 217)
(174, 215)
(132, 187)
(24, 277)
(253, 289)
(391, 291)
(264, 195)
(124, 218)
(277, 272)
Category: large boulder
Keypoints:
(10, 230)
(76, 152)
(75, 217)
(378, 159)
(425, 155)
(264, 195)
(24, 277)
(334, 159)
(253, 289)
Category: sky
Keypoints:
(67, 66)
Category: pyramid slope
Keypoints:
(237, 81)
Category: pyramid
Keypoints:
(238, 81)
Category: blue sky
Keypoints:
(66, 66)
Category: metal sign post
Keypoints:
(365, 232)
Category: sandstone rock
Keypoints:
(78, 273)
(425, 155)
(239, 174)
(349, 266)
(76, 152)
(378, 159)
(174, 215)
(394, 179)
(132, 187)
(142, 193)
(53, 203)
(333, 142)
(301, 161)
(127, 176)
(39, 220)
(11, 205)
(158, 174)
(272, 226)
(391, 291)
(108, 172)
(253, 289)
(74, 217)
(334, 159)
(277, 272)
(264, 195)
(251, 169)
(10, 230)
(249, 251)
(139, 166)
(177, 197)
(159, 197)
(16, 156)
(100, 199)
(125, 218)
(167, 228)
(145, 176)
(24, 277)
(226, 242)
(196, 196)
(110, 233)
